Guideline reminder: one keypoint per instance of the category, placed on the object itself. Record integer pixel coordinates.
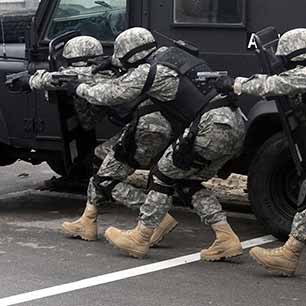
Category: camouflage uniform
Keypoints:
(153, 132)
(220, 138)
(88, 114)
(291, 83)
(81, 46)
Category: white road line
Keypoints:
(117, 276)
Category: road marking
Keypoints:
(117, 276)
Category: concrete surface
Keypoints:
(34, 254)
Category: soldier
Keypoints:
(152, 136)
(216, 132)
(292, 83)
(81, 47)
(143, 139)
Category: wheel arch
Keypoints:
(263, 122)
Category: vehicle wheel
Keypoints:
(273, 186)
(6, 155)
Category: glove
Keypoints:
(105, 65)
(70, 87)
(224, 85)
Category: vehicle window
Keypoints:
(209, 11)
(101, 19)
(15, 18)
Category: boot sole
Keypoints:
(227, 255)
(130, 253)
(78, 235)
(270, 269)
(168, 231)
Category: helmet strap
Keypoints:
(287, 61)
(73, 60)
(146, 47)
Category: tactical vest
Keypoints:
(192, 96)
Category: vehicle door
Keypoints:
(103, 20)
(16, 111)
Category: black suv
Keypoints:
(33, 127)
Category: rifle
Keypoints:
(13, 84)
(295, 130)
(184, 45)
(60, 78)
(104, 63)
(210, 75)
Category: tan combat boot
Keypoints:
(86, 226)
(226, 245)
(165, 227)
(135, 242)
(283, 260)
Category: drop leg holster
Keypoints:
(126, 146)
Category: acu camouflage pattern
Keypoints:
(82, 46)
(291, 41)
(152, 136)
(77, 47)
(128, 87)
(153, 131)
(298, 230)
(220, 138)
(131, 39)
(291, 83)
(88, 114)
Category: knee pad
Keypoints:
(169, 183)
(106, 191)
(186, 189)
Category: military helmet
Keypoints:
(292, 41)
(132, 46)
(80, 48)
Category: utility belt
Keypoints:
(184, 155)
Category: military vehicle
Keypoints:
(31, 128)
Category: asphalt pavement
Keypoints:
(36, 255)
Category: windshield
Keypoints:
(101, 19)
(15, 19)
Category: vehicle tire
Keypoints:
(6, 156)
(273, 186)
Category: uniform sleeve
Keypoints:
(287, 83)
(41, 80)
(116, 91)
